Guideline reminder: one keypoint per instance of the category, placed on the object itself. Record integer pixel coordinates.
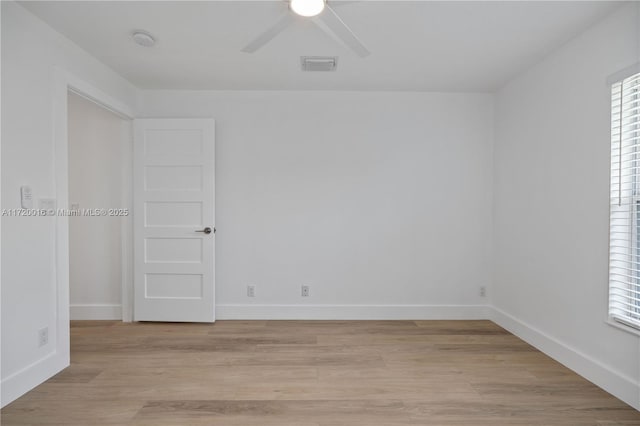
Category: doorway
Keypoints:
(99, 210)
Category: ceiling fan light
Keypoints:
(307, 8)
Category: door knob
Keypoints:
(206, 230)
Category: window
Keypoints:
(624, 216)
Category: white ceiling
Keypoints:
(415, 45)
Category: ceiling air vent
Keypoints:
(319, 63)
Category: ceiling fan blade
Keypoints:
(336, 28)
(269, 34)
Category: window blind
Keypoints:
(624, 217)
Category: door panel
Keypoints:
(178, 214)
(173, 202)
(177, 178)
(173, 250)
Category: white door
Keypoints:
(174, 230)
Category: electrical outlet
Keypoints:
(305, 291)
(483, 292)
(43, 336)
(251, 291)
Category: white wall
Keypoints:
(379, 200)
(30, 50)
(551, 206)
(96, 181)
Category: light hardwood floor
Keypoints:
(312, 373)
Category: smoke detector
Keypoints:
(319, 63)
(143, 38)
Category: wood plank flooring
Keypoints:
(312, 373)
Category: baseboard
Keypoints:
(95, 312)
(351, 312)
(21, 382)
(620, 386)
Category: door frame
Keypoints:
(63, 83)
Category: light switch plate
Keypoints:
(47, 204)
(26, 197)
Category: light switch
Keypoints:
(48, 204)
(26, 197)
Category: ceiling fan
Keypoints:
(323, 15)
